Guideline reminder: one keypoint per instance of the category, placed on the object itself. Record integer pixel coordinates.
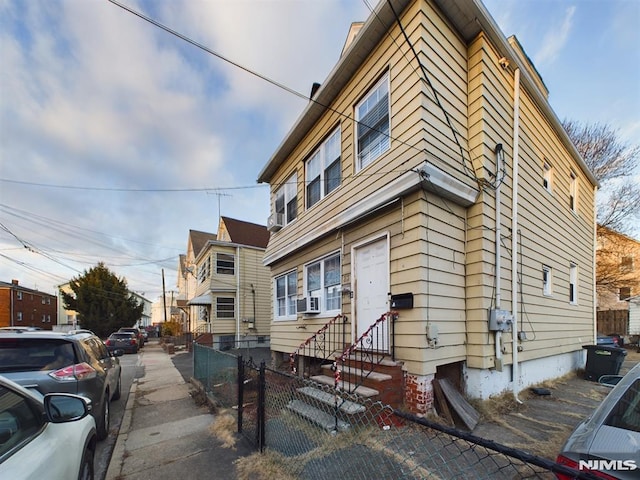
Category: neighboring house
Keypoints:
(187, 279)
(145, 317)
(232, 295)
(386, 192)
(634, 320)
(25, 307)
(69, 318)
(66, 318)
(617, 269)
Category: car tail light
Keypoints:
(567, 462)
(133, 341)
(79, 371)
(107, 343)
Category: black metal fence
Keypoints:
(316, 432)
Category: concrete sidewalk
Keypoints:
(164, 433)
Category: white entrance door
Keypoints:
(372, 289)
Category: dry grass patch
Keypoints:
(266, 466)
(224, 429)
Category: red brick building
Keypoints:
(25, 307)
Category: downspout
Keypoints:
(238, 314)
(499, 165)
(514, 232)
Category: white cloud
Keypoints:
(555, 39)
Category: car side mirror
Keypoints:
(65, 407)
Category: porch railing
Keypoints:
(325, 344)
(360, 359)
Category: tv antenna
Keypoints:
(219, 194)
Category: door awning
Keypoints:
(201, 300)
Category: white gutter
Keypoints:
(514, 231)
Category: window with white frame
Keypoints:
(547, 280)
(225, 264)
(286, 292)
(573, 283)
(286, 200)
(322, 280)
(573, 192)
(547, 176)
(19, 316)
(19, 295)
(204, 271)
(373, 124)
(225, 307)
(322, 169)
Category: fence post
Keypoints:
(260, 432)
(240, 381)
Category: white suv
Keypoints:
(45, 437)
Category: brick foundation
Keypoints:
(418, 393)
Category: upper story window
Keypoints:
(626, 263)
(573, 283)
(322, 280)
(225, 264)
(373, 124)
(286, 289)
(547, 280)
(286, 201)
(204, 271)
(547, 176)
(19, 295)
(323, 169)
(573, 192)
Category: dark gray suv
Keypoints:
(52, 362)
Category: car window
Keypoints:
(90, 346)
(18, 420)
(626, 413)
(28, 354)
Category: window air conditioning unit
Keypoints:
(275, 222)
(308, 305)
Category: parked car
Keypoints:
(606, 443)
(613, 340)
(45, 437)
(20, 329)
(126, 341)
(137, 332)
(77, 363)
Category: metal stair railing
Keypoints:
(324, 344)
(371, 348)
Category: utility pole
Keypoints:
(164, 298)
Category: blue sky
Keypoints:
(116, 137)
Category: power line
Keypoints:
(117, 189)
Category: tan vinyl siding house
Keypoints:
(233, 295)
(413, 209)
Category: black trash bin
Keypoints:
(603, 360)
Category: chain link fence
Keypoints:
(315, 433)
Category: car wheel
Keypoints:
(116, 394)
(103, 422)
(135, 349)
(86, 467)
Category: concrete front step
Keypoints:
(358, 373)
(346, 386)
(329, 399)
(318, 417)
(380, 360)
